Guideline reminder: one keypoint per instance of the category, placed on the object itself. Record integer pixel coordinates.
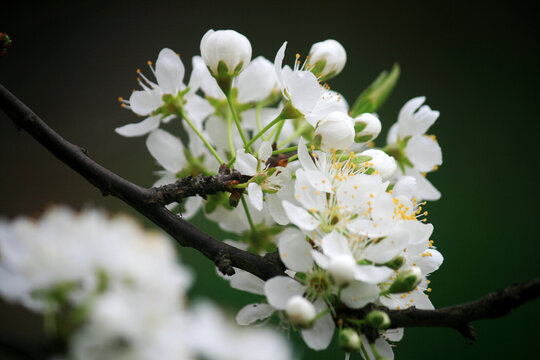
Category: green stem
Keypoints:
(374, 351)
(285, 150)
(294, 135)
(364, 351)
(237, 120)
(201, 136)
(230, 136)
(278, 132)
(320, 315)
(250, 220)
(240, 186)
(292, 158)
(265, 129)
(258, 118)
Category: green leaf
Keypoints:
(376, 93)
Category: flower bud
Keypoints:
(406, 280)
(396, 262)
(381, 162)
(367, 127)
(225, 52)
(336, 131)
(349, 340)
(341, 270)
(300, 312)
(378, 319)
(328, 58)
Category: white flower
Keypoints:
(381, 162)
(300, 311)
(227, 46)
(303, 90)
(367, 126)
(169, 73)
(331, 54)
(336, 130)
(421, 151)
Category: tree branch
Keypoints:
(459, 317)
(145, 201)
(149, 202)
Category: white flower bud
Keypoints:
(406, 280)
(381, 162)
(336, 131)
(227, 46)
(367, 127)
(328, 58)
(341, 269)
(300, 311)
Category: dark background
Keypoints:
(476, 63)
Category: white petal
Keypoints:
(169, 71)
(394, 335)
(295, 251)
(304, 90)
(372, 274)
(392, 136)
(191, 207)
(306, 194)
(145, 102)
(198, 109)
(418, 231)
(245, 163)
(424, 152)
(335, 244)
(265, 151)
(167, 150)
(242, 280)
(253, 312)
(424, 189)
(321, 259)
(255, 195)
(359, 294)
(406, 186)
(256, 81)
(278, 64)
(300, 217)
(430, 261)
(305, 157)
(280, 289)
(275, 208)
(406, 116)
(388, 248)
(138, 129)
(319, 336)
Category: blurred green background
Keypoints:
(476, 62)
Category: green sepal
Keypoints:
(302, 277)
(319, 67)
(359, 126)
(405, 282)
(396, 262)
(362, 139)
(378, 319)
(259, 179)
(360, 159)
(376, 93)
(290, 112)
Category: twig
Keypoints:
(141, 199)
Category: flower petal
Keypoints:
(424, 152)
(245, 163)
(169, 71)
(300, 217)
(372, 274)
(358, 294)
(319, 336)
(167, 150)
(139, 129)
(424, 189)
(253, 312)
(145, 102)
(295, 251)
(255, 195)
(335, 244)
(242, 280)
(280, 289)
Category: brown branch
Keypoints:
(145, 201)
(149, 202)
(459, 317)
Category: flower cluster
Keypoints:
(346, 217)
(115, 291)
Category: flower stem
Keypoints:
(265, 129)
(294, 135)
(230, 136)
(237, 120)
(278, 132)
(320, 315)
(248, 214)
(201, 136)
(285, 150)
(258, 118)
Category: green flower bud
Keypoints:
(378, 319)
(349, 340)
(406, 280)
(396, 262)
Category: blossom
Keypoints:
(228, 47)
(169, 72)
(367, 127)
(416, 152)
